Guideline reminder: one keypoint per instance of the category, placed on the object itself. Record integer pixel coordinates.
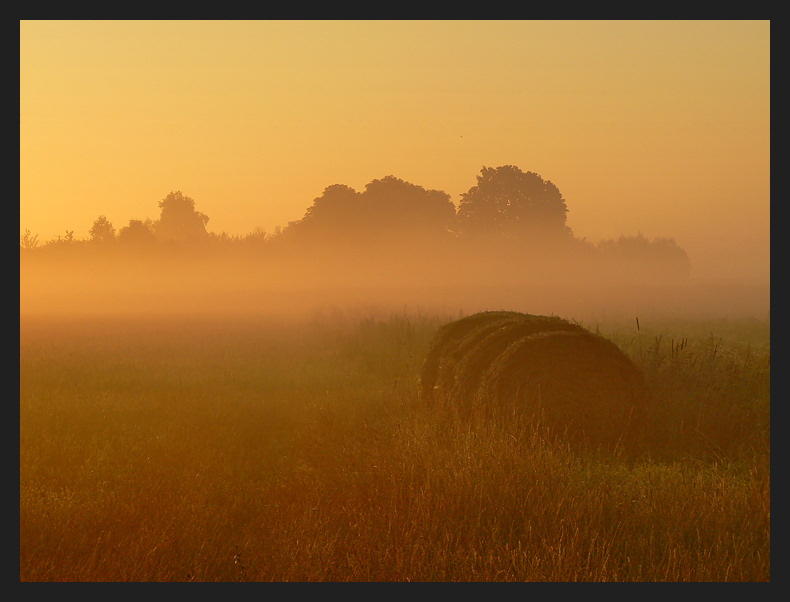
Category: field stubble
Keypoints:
(238, 450)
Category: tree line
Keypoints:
(509, 212)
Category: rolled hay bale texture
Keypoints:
(471, 369)
(455, 340)
(444, 351)
(580, 385)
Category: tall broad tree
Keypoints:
(393, 203)
(512, 204)
(337, 209)
(180, 221)
(389, 208)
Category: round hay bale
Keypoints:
(579, 384)
(489, 344)
(443, 351)
(454, 341)
(448, 373)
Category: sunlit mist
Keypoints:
(658, 128)
(394, 301)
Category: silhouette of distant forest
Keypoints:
(509, 217)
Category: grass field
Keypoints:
(222, 449)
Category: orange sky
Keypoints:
(658, 127)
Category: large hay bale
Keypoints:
(579, 384)
(455, 340)
(444, 350)
(471, 369)
(465, 344)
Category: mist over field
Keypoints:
(394, 301)
(196, 406)
(239, 285)
(394, 245)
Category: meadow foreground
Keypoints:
(242, 449)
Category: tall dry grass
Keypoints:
(242, 450)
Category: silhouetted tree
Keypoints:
(509, 203)
(395, 204)
(662, 254)
(62, 243)
(137, 233)
(28, 241)
(179, 220)
(257, 238)
(388, 208)
(339, 208)
(102, 230)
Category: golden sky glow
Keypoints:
(658, 127)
